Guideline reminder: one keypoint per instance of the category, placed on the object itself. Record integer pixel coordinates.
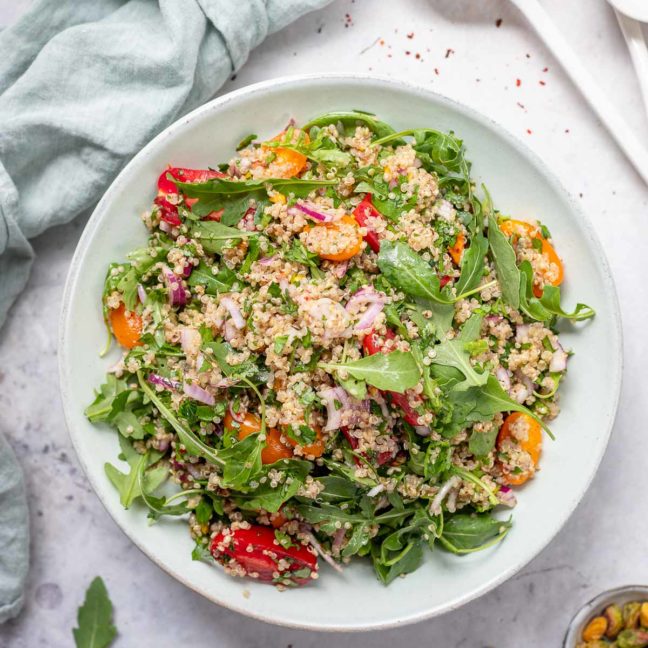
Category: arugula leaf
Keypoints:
(218, 188)
(300, 254)
(193, 443)
(271, 499)
(215, 237)
(396, 371)
(482, 443)
(94, 618)
(129, 484)
(352, 118)
(337, 489)
(472, 265)
(408, 560)
(548, 305)
(465, 533)
(407, 271)
(222, 282)
(157, 505)
(508, 274)
(451, 353)
(242, 462)
(246, 141)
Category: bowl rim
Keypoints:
(389, 84)
(588, 608)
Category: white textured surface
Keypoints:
(603, 544)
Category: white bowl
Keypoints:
(520, 185)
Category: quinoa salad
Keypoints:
(333, 347)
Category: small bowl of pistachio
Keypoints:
(617, 618)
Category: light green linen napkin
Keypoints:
(83, 86)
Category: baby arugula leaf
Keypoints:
(94, 618)
(242, 462)
(451, 353)
(215, 237)
(221, 282)
(472, 265)
(465, 533)
(396, 371)
(409, 272)
(353, 119)
(508, 274)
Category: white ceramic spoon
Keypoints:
(628, 13)
(625, 137)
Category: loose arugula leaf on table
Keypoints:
(465, 533)
(215, 237)
(396, 371)
(503, 254)
(94, 618)
(409, 272)
(222, 282)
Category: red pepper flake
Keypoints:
(521, 105)
(542, 83)
(407, 52)
(410, 35)
(436, 71)
(545, 69)
(348, 20)
(518, 82)
(529, 131)
(498, 22)
(381, 42)
(528, 55)
(418, 56)
(448, 52)
(567, 130)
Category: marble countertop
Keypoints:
(473, 52)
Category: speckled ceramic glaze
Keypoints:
(520, 185)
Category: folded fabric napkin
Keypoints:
(83, 86)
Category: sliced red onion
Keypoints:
(314, 212)
(187, 270)
(422, 430)
(376, 490)
(229, 331)
(303, 529)
(333, 413)
(177, 293)
(167, 383)
(198, 393)
(163, 444)
(507, 497)
(558, 360)
(493, 319)
(368, 317)
(165, 227)
(141, 293)
(248, 220)
(504, 377)
(526, 381)
(521, 332)
(190, 340)
(435, 506)
(338, 539)
(367, 295)
(340, 269)
(237, 416)
(234, 311)
(266, 261)
(233, 170)
(393, 183)
(520, 393)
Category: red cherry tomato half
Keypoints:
(167, 186)
(362, 213)
(259, 554)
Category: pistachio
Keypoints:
(631, 612)
(614, 618)
(595, 629)
(632, 639)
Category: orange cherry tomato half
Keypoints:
(456, 251)
(532, 445)
(288, 163)
(126, 326)
(517, 228)
(355, 243)
(274, 449)
(315, 449)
